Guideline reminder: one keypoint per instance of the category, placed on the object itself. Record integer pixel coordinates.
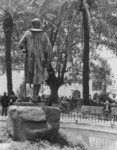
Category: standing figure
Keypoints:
(4, 103)
(12, 98)
(107, 109)
(39, 53)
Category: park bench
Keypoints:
(88, 111)
(91, 110)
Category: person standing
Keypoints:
(107, 109)
(39, 53)
(4, 103)
(12, 98)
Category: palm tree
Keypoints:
(85, 13)
(8, 28)
(8, 10)
(86, 5)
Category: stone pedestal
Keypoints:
(33, 122)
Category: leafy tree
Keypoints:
(60, 34)
(104, 22)
(102, 74)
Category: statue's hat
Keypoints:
(36, 23)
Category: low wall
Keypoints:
(90, 127)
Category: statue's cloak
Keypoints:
(39, 50)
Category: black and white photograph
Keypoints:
(58, 74)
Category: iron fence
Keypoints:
(87, 117)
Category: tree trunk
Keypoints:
(8, 28)
(54, 84)
(86, 59)
(54, 94)
(8, 62)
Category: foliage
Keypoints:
(102, 74)
(73, 144)
(21, 15)
(41, 145)
(104, 25)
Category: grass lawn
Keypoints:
(65, 141)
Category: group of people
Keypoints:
(100, 99)
(7, 101)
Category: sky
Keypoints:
(17, 79)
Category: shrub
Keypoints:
(63, 141)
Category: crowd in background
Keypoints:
(96, 99)
(100, 99)
(64, 101)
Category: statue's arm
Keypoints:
(22, 43)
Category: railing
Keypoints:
(89, 118)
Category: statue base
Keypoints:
(30, 121)
(28, 104)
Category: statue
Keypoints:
(39, 54)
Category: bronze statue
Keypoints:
(39, 54)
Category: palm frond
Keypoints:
(1, 16)
(48, 5)
(63, 12)
(2, 5)
(17, 5)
